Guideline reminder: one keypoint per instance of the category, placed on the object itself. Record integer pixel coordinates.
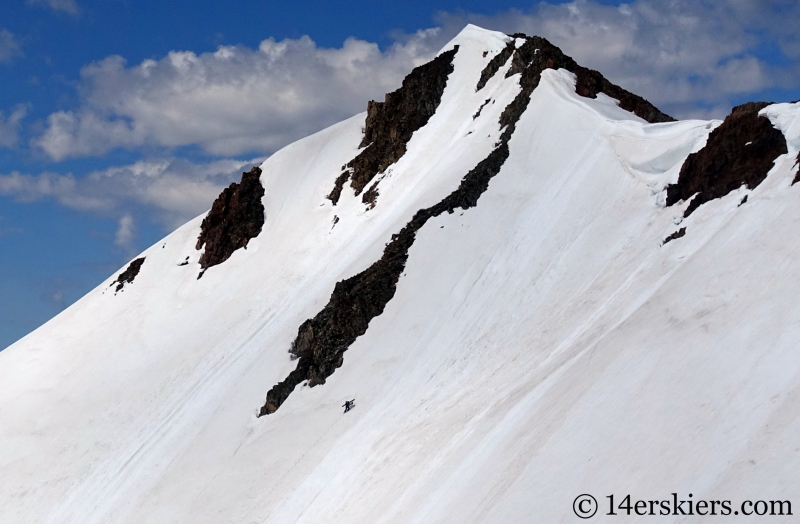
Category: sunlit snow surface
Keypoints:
(541, 345)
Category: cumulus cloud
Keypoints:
(9, 48)
(9, 127)
(690, 58)
(685, 56)
(69, 7)
(125, 233)
(172, 191)
(231, 101)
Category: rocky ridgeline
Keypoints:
(321, 341)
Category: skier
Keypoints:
(349, 404)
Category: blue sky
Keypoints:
(120, 120)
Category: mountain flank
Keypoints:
(322, 340)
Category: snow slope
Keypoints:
(541, 345)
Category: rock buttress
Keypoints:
(338, 186)
(741, 151)
(391, 123)
(537, 52)
(236, 216)
(127, 276)
(674, 236)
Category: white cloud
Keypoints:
(689, 58)
(65, 6)
(9, 127)
(171, 191)
(9, 48)
(231, 101)
(125, 233)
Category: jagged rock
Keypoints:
(370, 196)
(391, 123)
(677, 234)
(495, 64)
(127, 276)
(480, 109)
(338, 186)
(236, 216)
(797, 176)
(741, 151)
(322, 340)
(539, 54)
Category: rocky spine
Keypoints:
(391, 123)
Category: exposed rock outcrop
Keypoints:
(236, 216)
(797, 176)
(322, 340)
(127, 276)
(391, 123)
(480, 109)
(371, 195)
(539, 54)
(741, 151)
(338, 186)
(677, 234)
(495, 64)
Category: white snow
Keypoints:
(541, 345)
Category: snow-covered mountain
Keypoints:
(533, 283)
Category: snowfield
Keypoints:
(541, 345)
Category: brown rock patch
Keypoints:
(741, 151)
(236, 216)
(127, 276)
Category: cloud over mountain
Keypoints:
(172, 190)
(230, 101)
(692, 59)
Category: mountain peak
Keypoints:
(510, 263)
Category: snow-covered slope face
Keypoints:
(539, 341)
